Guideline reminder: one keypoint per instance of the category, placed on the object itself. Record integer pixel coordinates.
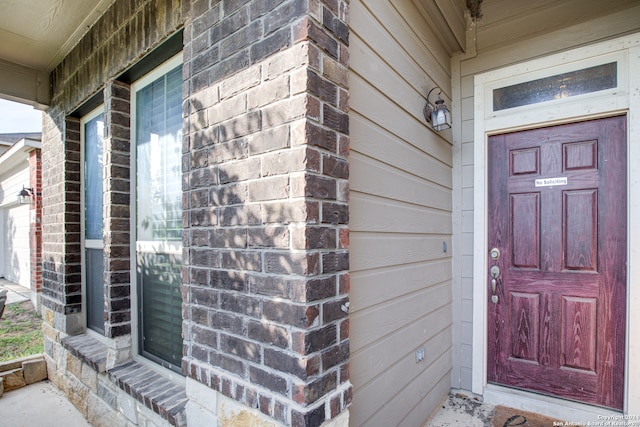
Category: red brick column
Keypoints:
(35, 231)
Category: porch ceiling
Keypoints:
(506, 21)
(34, 37)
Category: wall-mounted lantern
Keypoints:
(439, 115)
(24, 196)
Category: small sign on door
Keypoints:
(549, 182)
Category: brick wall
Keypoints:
(126, 32)
(265, 190)
(117, 240)
(61, 274)
(265, 206)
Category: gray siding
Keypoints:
(400, 216)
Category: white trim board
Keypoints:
(625, 99)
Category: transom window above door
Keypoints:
(562, 81)
(559, 86)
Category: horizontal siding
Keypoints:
(377, 250)
(385, 24)
(393, 320)
(399, 218)
(12, 181)
(372, 176)
(414, 155)
(406, 279)
(398, 390)
(371, 213)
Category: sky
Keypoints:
(19, 118)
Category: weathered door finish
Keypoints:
(557, 213)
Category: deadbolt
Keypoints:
(495, 254)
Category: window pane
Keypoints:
(93, 192)
(159, 144)
(159, 217)
(93, 175)
(160, 282)
(560, 86)
(95, 289)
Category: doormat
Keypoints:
(509, 417)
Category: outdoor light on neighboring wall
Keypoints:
(24, 196)
(439, 116)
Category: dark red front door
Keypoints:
(557, 215)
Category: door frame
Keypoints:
(624, 99)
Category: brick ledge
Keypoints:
(143, 384)
(153, 390)
(89, 350)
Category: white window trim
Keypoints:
(623, 100)
(93, 244)
(170, 247)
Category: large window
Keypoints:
(157, 101)
(92, 132)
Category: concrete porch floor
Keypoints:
(16, 293)
(40, 404)
(460, 410)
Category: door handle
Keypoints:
(495, 273)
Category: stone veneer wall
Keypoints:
(265, 217)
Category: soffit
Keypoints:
(447, 18)
(507, 21)
(37, 34)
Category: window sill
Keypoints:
(148, 387)
(89, 350)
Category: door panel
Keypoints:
(525, 213)
(557, 213)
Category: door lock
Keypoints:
(495, 254)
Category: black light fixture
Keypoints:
(24, 196)
(439, 115)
